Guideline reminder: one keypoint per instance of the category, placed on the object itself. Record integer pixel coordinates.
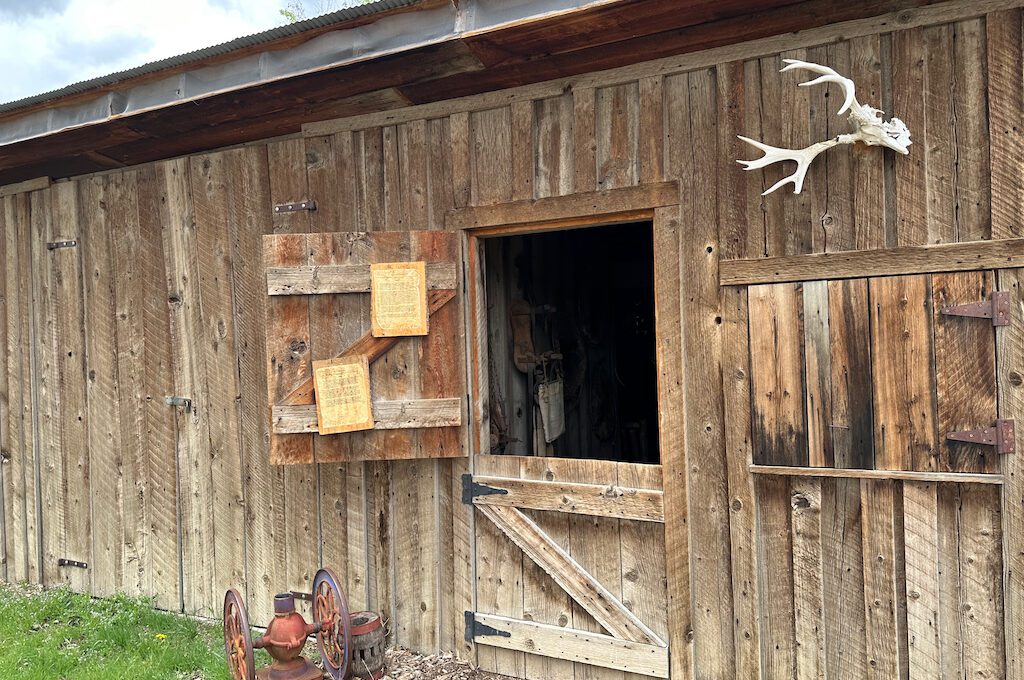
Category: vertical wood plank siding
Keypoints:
(772, 578)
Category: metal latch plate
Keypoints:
(472, 489)
(294, 207)
(1002, 435)
(54, 245)
(64, 562)
(997, 309)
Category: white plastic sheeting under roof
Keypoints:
(389, 34)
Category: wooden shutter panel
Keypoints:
(869, 373)
(318, 308)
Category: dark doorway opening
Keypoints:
(571, 344)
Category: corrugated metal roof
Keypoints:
(254, 39)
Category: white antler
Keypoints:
(870, 129)
(827, 76)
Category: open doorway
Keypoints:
(571, 343)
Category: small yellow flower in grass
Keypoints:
(160, 636)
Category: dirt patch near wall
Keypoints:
(405, 665)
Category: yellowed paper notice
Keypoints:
(398, 299)
(342, 388)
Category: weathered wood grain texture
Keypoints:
(111, 492)
(320, 279)
(498, 574)
(903, 374)
(589, 538)
(808, 593)
(671, 422)
(388, 415)
(741, 235)
(198, 524)
(693, 153)
(9, 530)
(263, 484)
(913, 259)
(569, 645)
(1005, 43)
(570, 575)
(599, 500)
(965, 371)
(1010, 370)
(870, 474)
(69, 312)
(544, 601)
(644, 561)
(214, 227)
(884, 582)
(777, 370)
(851, 425)
(581, 204)
(555, 162)
(21, 490)
(617, 125)
(46, 381)
(122, 218)
(159, 422)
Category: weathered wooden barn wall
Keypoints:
(163, 296)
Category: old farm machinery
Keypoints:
(350, 645)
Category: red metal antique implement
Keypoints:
(287, 633)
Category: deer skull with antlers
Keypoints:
(870, 129)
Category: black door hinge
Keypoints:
(53, 245)
(1002, 435)
(64, 562)
(475, 629)
(294, 207)
(471, 489)
(997, 309)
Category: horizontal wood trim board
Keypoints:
(591, 203)
(855, 264)
(33, 184)
(856, 473)
(570, 644)
(580, 499)
(576, 581)
(387, 415)
(944, 12)
(345, 278)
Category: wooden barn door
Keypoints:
(570, 565)
(878, 449)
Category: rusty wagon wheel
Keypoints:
(330, 610)
(238, 638)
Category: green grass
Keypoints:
(59, 634)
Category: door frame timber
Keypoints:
(632, 645)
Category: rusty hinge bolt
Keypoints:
(997, 309)
(1002, 435)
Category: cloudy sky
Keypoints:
(46, 44)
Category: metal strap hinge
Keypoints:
(299, 595)
(471, 489)
(53, 245)
(1002, 435)
(64, 562)
(475, 629)
(294, 207)
(997, 309)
